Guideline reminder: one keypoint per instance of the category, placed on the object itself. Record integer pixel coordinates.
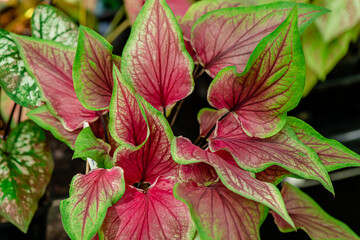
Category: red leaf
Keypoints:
(221, 214)
(150, 214)
(256, 154)
(90, 196)
(155, 60)
(270, 86)
(207, 119)
(234, 178)
(127, 122)
(273, 174)
(153, 159)
(200, 173)
(227, 37)
(309, 216)
(93, 65)
(51, 65)
(332, 154)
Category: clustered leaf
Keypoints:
(149, 184)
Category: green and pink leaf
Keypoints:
(50, 64)
(310, 217)
(207, 118)
(234, 178)
(283, 149)
(155, 59)
(270, 86)
(153, 159)
(219, 213)
(90, 197)
(332, 154)
(93, 70)
(127, 124)
(149, 214)
(227, 37)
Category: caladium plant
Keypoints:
(148, 184)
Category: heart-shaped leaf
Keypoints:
(127, 124)
(155, 59)
(93, 69)
(256, 154)
(221, 214)
(235, 179)
(270, 86)
(198, 9)
(25, 170)
(50, 23)
(14, 79)
(90, 196)
(50, 64)
(153, 159)
(44, 118)
(88, 146)
(149, 214)
(310, 217)
(227, 37)
(332, 154)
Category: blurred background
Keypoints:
(331, 102)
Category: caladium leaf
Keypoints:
(200, 173)
(270, 86)
(332, 154)
(310, 217)
(235, 179)
(44, 118)
(50, 63)
(221, 214)
(14, 79)
(127, 124)
(198, 9)
(256, 154)
(25, 170)
(149, 214)
(133, 7)
(93, 68)
(155, 59)
(227, 37)
(273, 174)
(88, 146)
(90, 196)
(50, 23)
(207, 119)
(153, 159)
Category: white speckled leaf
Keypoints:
(14, 79)
(50, 23)
(25, 169)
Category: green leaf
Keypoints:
(87, 145)
(14, 79)
(310, 217)
(50, 23)
(25, 169)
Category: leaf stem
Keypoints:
(199, 73)
(117, 18)
(104, 127)
(209, 133)
(7, 129)
(178, 107)
(20, 112)
(87, 169)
